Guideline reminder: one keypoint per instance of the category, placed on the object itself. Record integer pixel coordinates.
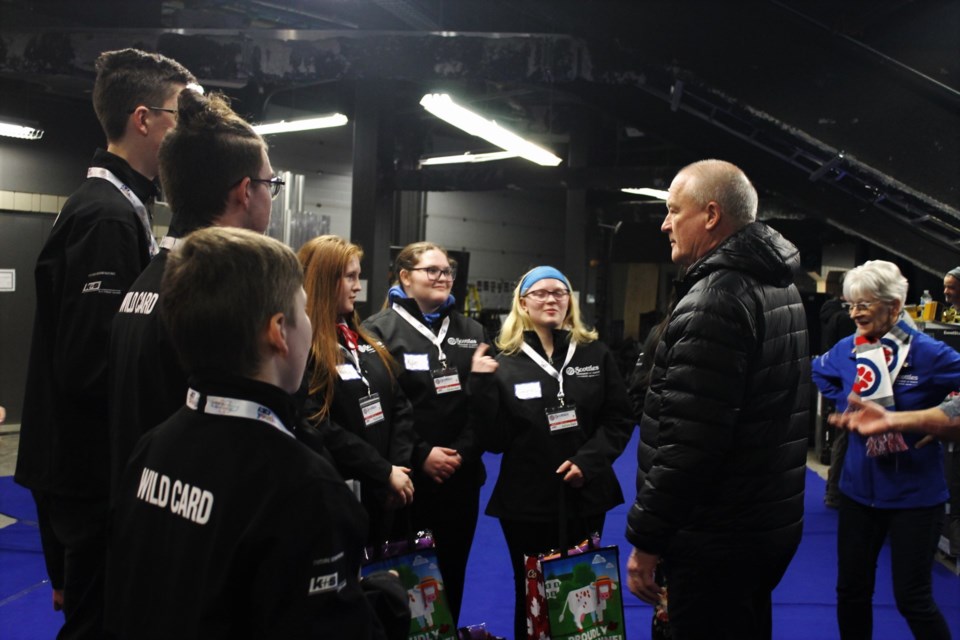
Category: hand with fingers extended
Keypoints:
(481, 362)
(641, 576)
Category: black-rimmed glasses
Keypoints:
(165, 109)
(276, 184)
(434, 273)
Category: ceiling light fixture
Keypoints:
(443, 106)
(323, 122)
(468, 157)
(659, 194)
(12, 128)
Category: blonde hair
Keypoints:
(511, 333)
(324, 260)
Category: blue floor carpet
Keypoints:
(803, 603)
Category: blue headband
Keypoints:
(541, 273)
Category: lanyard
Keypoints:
(355, 361)
(546, 366)
(236, 408)
(170, 243)
(106, 174)
(436, 340)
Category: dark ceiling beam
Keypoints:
(523, 175)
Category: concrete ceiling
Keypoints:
(846, 115)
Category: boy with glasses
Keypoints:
(99, 244)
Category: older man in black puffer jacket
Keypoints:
(722, 464)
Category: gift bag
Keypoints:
(584, 595)
(416, 563)
(538, 622)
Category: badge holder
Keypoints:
(445, 379)
(561, 418)
(371, 409)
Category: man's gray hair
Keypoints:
(727, 185)
(877, 278)
(955, 272)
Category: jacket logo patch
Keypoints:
(323, 584)
(590, 371)
(467, 343)
(91, 286)
(365, 348)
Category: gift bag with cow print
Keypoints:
(416, 563)
(583, 595)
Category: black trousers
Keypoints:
(724, 592)
(532, 538)
(77, 540)
(452, 517)
(913, 537)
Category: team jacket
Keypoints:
(96, 249)
(439, 419)
(724, 426)
(258, 539)
(390, 440)
(912, 478)
(514, 421)
(147, 383)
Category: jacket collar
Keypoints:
(141, 185)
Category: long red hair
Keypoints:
(325, 260)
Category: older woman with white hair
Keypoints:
(890, 487)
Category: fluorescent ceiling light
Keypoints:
(659, 194)
(442, 106)
(469, 157)
(336, 120)
(13, 129)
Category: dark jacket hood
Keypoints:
(755, 249)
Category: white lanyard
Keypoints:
(436, 340)
(355, 361)
(236, 408)
(546, 366)
(106, 174)
(170, 243)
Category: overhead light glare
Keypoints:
(23, 131)
(443, 106)
(468, 157)
(659, 194)
(323, 122)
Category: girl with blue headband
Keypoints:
(556, 407)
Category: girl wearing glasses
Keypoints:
(557, 409)
(433, 345)
(361, 413)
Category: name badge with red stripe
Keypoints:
(562, 419)
(371, 409)
(446, 380)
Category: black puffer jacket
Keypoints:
(724, 428)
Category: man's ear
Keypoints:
(137, 121)
(276, 334)
(714, 215)
(240, 193)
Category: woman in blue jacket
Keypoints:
(889, 486)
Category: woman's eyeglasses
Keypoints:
(434, 273)
(859, 306)
(541, 295)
